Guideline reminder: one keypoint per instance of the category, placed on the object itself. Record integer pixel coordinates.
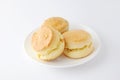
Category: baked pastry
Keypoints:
(78, 43)
(58, 23)
(47, 43)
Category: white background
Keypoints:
(19, 17)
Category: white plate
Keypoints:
(62, 61)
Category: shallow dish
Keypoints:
(63, 61)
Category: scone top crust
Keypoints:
(58, 23)
(42, 38)
(76, 38)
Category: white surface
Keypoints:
(19, 17)
(62, 61)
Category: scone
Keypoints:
(58, 23)
(47, 43)
(78, 43)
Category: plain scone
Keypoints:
(58, 23)
(78, 43)
(47, 43)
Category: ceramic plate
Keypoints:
(63, 61)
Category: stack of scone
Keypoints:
(53, 39)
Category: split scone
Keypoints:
(78, 43)
(47, 43)
(58, 23)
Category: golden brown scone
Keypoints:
(42, 38)
(47, 43)
(58, 23)
(78, 43)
